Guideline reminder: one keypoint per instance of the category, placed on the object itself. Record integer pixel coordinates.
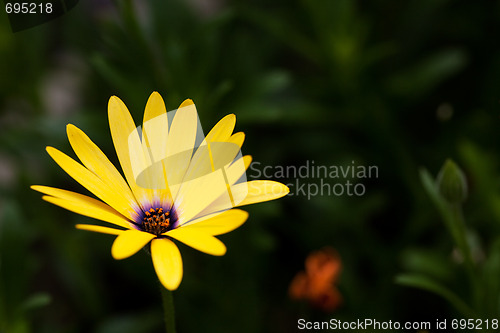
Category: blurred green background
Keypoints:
(396, 84)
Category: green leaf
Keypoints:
(143, 322)
(441, 205)
(450, 213)
(36, 301)
(427, 74)
(482, 166)
(285, 32)
(490, 286)
(427, 262)
(425, 283)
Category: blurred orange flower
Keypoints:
(317, 283)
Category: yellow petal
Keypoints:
(85, 209)
(235, 172)
(218, 224)
(222, 130)
(224, 153)
(95, 160)
(253, 191)
(154, 144)
(236, 192)
(237, 138)
(180, 144)
(261, 190)
(214, 148)
(167, 262)
(155, 110)
(195, 195)
(247, 160)
(155, 107)
(129, 242)
(237, 169)
(128, 147)
(100, 229)
(198, 240)
(82, 204)
(91, 182)
(155, 129)
(212, 157)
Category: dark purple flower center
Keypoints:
(157, 221)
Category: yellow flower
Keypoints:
(179, 185)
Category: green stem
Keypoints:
(463, 244)
(168, 309)
(461, 236)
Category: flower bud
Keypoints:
(451, 183)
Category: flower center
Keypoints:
(156, 221)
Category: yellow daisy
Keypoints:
(179, 185)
